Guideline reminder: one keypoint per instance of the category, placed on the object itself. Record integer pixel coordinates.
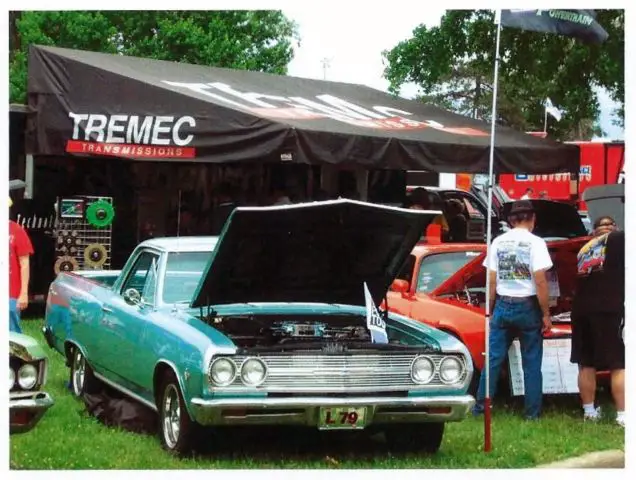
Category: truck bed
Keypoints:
(103, 277)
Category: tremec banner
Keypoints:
(95, 104)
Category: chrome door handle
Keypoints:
(107, 310)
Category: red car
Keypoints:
(444, 285)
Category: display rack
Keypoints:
(81, 245)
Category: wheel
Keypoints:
(176, 429)
(82, 379)
(418, 437)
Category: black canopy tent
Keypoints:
(94, 104)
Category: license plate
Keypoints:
(343, 418)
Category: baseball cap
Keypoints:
(521, 206)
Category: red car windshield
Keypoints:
(437, 268)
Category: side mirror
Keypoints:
(400, 286)
(132, 297)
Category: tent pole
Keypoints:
(487, 417)
(545, 121)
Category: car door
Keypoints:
(124, 324)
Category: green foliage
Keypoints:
(453, 65)
(242, 39)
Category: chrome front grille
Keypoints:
(339, 373)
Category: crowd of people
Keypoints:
(521, 308)
(453, 221)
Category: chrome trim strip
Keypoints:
(125, 391)
(298, 402)
(305, 411)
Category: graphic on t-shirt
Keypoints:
(513, 261)
(592, 256)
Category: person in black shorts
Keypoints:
(598, 319)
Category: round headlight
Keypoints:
(11, 378)
(450, 370)
(223, 371)
(27, 376)
(253, 372)
(422, 370)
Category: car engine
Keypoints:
(270, 330)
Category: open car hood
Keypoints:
(458, 279)
(554, 219)
(319, 252)
(606, 200)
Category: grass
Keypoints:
(67, 438)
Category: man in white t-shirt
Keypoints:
(517, 264)
(528, 194)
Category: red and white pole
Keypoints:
(487, 403)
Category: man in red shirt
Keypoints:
(20, 248)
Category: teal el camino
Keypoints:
(266, 325)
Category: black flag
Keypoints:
(580, 24)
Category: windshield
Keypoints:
(183, 274)
(436, 269)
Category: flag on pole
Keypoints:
(552, 110)
(580, 24)
(375, 324)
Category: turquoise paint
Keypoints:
(127, 348)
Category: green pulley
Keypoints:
(100, 214)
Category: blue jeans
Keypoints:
(522, 319)
(14, 316)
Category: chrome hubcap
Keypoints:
(171, 416)
(79, 373)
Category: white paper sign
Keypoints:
(559, 375)
(553, 285)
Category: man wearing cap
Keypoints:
(20, 248)
(517, 266)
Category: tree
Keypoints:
(453, 64)
(242, 39)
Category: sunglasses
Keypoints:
(606, 225)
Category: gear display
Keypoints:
(84, 242)
(100, 214)
(66, 264)
(95, 255)
(67, 239)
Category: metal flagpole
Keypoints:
(487, 418)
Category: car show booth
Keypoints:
(128, 148)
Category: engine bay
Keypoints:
(269, 330)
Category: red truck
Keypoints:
(601, 163)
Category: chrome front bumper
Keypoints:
(305, 410)
(26, 409)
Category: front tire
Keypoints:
(176, 429)
(82, 378)
(418, 437)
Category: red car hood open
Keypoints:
(457, 280)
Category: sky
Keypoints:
(354, 48)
